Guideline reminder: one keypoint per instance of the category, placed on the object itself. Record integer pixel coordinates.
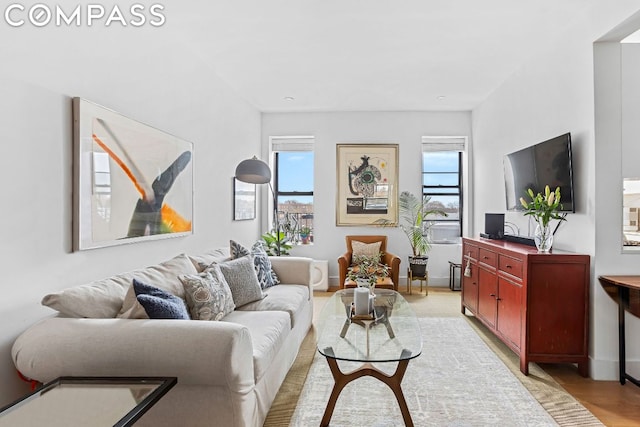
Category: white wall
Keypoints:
(329, 129)
(143, 76)
(551, 94)
(630, 89)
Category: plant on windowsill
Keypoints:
(305, 232)
(544, 208)
(366, 269)
(414, 212)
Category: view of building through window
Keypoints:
(630, 212)
(294, 191)
(442, 182)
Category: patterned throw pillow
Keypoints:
(159, 304)
(365, 249)
(237, 250)
(208, 294)
(242, 279)
(266, 276)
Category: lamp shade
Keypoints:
(253, 171)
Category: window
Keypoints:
(102, 184)
(293, 171)
(442, 181)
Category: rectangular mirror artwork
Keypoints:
(244, 200)
(132, 182)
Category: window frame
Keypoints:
(291, 144)
(459, 192)
(459, 146)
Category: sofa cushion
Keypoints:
(164, 276)
(159, 304)
(202, 261)
(287, 298)
(208, 294)
(266, 276)
(242, 279)
(104, 298)
(269, 330)
(99, 299)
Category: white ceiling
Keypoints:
(375, 55)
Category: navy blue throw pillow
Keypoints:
(159, 304)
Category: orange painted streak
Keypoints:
(120, 163)
(173, 220)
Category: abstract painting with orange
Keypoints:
(132, 182)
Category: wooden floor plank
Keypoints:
(614, 404)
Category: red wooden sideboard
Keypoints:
(536, 303)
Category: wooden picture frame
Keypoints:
(367, 184)
(244, 200)
(132, 182)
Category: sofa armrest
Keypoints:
(292, 270)
(197, 352)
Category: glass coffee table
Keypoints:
(87, 401)
(390, 333)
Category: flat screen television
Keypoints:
(546, 163)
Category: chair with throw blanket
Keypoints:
(368, 245)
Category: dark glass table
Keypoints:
(390, 333)
(87, 401)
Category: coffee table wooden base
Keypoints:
(342, 379)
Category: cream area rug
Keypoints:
(457, 381)
(454, 372)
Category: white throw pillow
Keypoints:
(365, 249)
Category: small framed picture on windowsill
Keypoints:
(244, 200)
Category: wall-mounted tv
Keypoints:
(547, 163)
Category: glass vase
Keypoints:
(543, 238)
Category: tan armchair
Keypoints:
(390, 260)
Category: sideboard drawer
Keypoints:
(512, 266)
(487, 257)
(471, 252)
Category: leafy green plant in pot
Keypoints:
(414, 212)
(271, 243)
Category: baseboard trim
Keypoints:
(607, 370)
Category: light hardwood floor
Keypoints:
(615, 405)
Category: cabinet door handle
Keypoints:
(508, 266)
(498, 299)
(485, 257)
(473, 283)
(492, 295)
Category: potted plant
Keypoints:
(366, 269)
(305, 232)
(414, 212)
(544, 208)
(275, 242)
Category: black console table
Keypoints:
(623, 289)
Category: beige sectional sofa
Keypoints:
(228, 371)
